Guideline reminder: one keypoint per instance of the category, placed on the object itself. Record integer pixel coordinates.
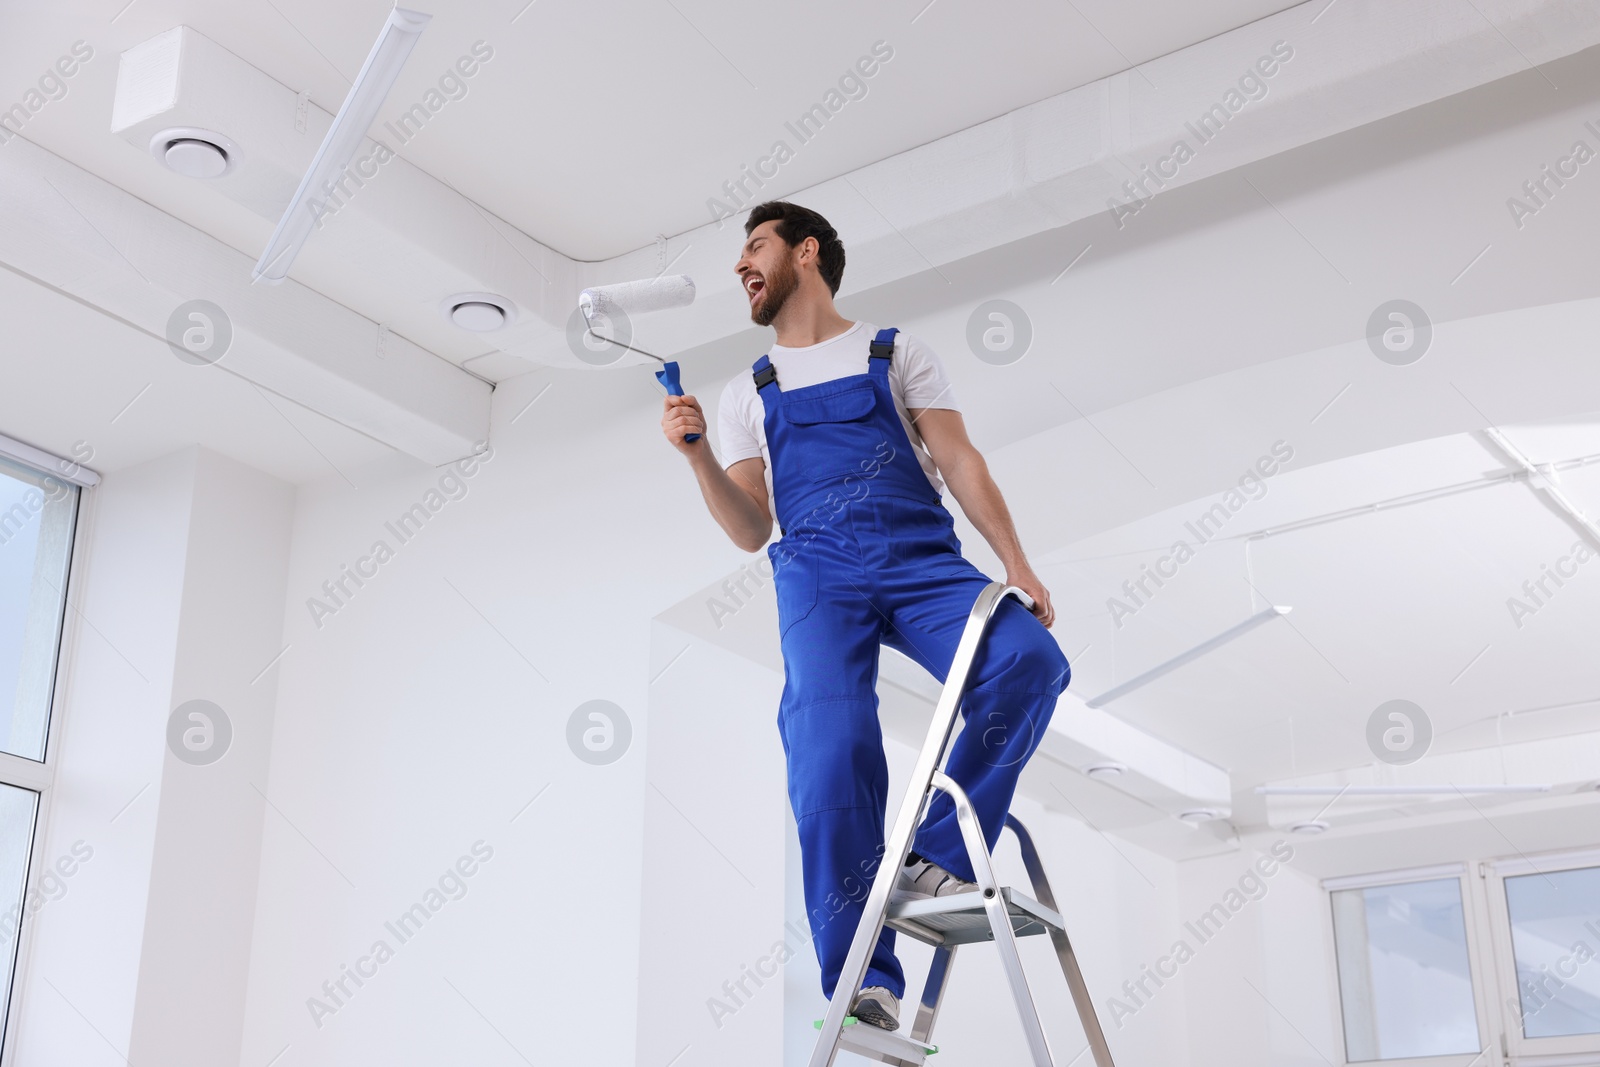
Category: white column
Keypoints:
(180, 597)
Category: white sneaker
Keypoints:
(876, 1006)
(924, 878)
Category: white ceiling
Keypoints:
(593, 129)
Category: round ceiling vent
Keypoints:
(1309, 827)
(195, 158)
(1195, 816)
(1104, 771)
(195, 153)
(478, 312)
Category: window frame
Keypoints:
(1490, 961)
(38, 776)
(1482, 1008)
(1518, 1048)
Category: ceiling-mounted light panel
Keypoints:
(356, 116)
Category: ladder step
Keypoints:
(960, 919)
(881, 1045)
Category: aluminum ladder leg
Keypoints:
(992, 912)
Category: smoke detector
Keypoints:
(1196, 816)
(1309, 827)
(478, 312)
(1105, 771)
(194, 152)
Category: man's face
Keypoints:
(766, 268)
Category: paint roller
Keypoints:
(636, 298)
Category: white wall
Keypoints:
(431, 707)
(714, 881)
(1261, 984)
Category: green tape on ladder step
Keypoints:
(851, 1020)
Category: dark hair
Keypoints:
(795, 224)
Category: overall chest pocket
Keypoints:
(838, 432)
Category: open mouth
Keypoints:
(753, 286)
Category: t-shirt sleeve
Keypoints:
(923, 381)
(737, 436)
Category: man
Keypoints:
(846, 432)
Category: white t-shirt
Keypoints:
(916, 380)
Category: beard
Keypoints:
(779, 286)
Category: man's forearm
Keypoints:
(973, 487)
(739, 516)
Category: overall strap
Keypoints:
(881, 352)
(764, 373)
(883, 344)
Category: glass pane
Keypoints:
(36, 517)
(17, 810)
(1403, 974)
(1555, 935)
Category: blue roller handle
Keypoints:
(668, 376)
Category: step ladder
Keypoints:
(992, 912)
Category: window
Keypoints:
(19, 809)
(1549, 969)
(1404, 977)
(1440, 965)
(1553, 929)
(38, 517)
(37, 513)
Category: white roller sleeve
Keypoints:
(633, 298)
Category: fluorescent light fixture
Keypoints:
(1193, 654)
(350, 126)
(1392, 790)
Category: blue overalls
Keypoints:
(868, 555)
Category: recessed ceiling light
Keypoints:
(1195, 816)
(1106, 770)
(1310, 826)
(194, 152)
(478, 312)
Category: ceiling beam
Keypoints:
(77, 234)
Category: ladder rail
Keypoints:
(929, 762)
(1063, 945)
(944, 958)
(994, 904)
